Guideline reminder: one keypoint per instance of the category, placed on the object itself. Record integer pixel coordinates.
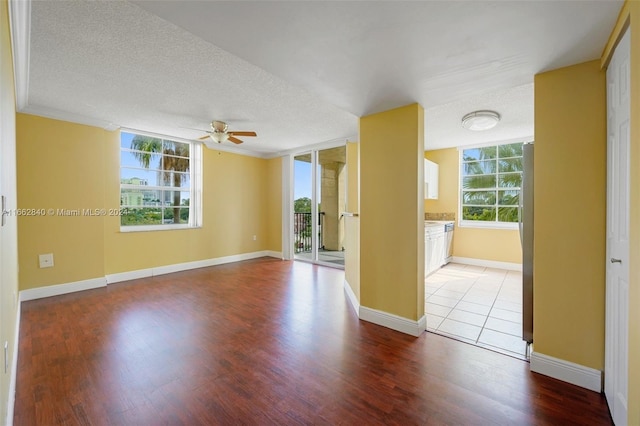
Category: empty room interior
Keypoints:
(320, 212)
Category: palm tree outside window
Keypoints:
(156, 182)
(491, 178)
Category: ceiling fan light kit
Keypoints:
(220, 137)
(480, 120)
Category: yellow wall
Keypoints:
(630, 16)
(501, 245)
(60, 166)
(234, 193)
(65, 165)
(392, 211)
(570, 203)
(274, 204)
(8, 233)
(447, 161)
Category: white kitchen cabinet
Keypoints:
(434, 247)
(431, 171)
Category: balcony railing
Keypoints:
(302, 232)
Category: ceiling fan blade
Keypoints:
(234, 140)
(203, 138)
(243, 133)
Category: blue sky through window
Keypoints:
(301, 179)
(127, 159)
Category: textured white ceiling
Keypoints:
(443, 123)
(300, 73)
(115, 62)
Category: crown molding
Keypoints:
(239, 151)
(524, 139)
(20, 28)
(109, 126)
(218, 147)
(57, 114)
(332, 143)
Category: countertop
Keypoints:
(437, 222)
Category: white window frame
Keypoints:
(195, 188)
(478, 223)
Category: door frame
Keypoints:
(314, 205)
(287, 199)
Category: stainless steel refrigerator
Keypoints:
(526, 238)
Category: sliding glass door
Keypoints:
(319, 194)
(303, 209)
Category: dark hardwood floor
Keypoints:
(263, 342)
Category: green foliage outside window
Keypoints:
(302, 205)
(491, 181)
(159, 200)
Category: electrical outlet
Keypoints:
(46, 260)
(255, 238)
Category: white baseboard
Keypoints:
(11, 400)
(385, 319)
(276, 254)
(394, 322)
(178, 267)
(58, 289)
(351, 296)
(576, 374)
(127, 276)
(487, 263)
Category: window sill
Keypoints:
(488, 225)
(153, 228)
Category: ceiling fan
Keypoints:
(220, 133)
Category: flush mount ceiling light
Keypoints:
(480, 120)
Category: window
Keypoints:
(159, 183)
(491, 177)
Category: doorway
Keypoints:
(319, 195)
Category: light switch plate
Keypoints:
(46, 260)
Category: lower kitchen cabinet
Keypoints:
(435, 248)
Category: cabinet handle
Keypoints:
(614, 260)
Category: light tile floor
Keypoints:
(478, 305)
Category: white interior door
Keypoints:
(617, 305)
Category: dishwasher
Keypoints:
(448, 242)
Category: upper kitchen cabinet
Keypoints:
(430, 180)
